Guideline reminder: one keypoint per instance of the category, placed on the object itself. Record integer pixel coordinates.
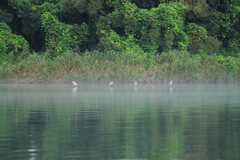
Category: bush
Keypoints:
(62, 37)
(12, 47)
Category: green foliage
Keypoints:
(114, 42)
(210, 45)
(81, 6)
(5, 16)
(29, 24)
(183, 67)
(199, 40)
(151, 26)
(137, 28)
(232, 63)
(12, 46)
(61, 37)
(196, 33)
(197, 9)
(147, 27)
(40, 2)
(147, 4)
(179, 65)
(123, 67)
(223, 23)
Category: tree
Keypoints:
(148, 29)
(61, 37)
(12, 46)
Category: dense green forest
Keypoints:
(167, 38)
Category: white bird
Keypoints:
(75, 83)
(135, 83)
(110, 83)
(171, 82)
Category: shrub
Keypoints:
(12, 46)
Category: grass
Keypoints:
(119, 67)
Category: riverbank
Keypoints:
(122, 67)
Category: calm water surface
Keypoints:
(95, 122)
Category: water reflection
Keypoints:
(75, 90)
(170, 88)
(44, 121)
(135, 88)
(111, 89)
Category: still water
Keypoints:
(124, 122)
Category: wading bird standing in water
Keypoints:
(110, 83)
(170, 83)
(75, 83)
(135, 83)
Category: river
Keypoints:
(121, 122)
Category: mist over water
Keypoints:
(122, 121)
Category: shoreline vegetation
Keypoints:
(119, 40)
(95, 66)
